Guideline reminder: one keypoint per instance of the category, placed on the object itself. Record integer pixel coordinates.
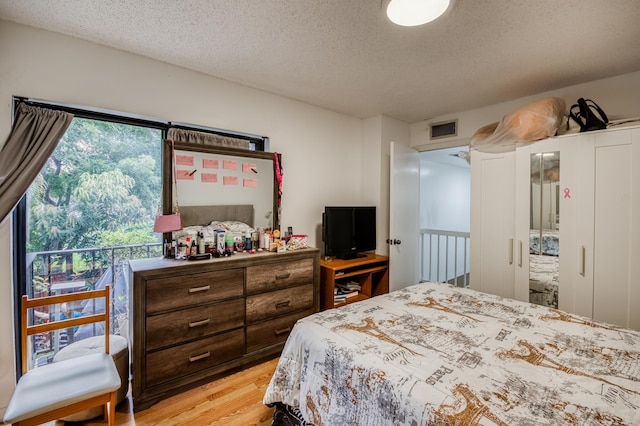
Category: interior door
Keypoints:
(404, 225)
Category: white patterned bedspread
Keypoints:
(550, 242)
(543, 280)
(438, 354)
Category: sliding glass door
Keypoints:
(90, 209)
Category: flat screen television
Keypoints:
(348, 231)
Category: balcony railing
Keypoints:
(68, 271)
(445, 256)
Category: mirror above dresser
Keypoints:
(211, 175)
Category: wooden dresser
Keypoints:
(194, 321)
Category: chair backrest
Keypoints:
(58, 324)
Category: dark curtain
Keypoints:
(202, 138)
(33, 138)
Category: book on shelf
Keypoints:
(344, 294)
(339, 299)
(351, 285)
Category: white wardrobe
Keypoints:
(492, 267)
(598, 223)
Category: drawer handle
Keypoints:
(283, 276)
(197, 289)
(199, 323)
(199, 357)
(283, 331)
(283, 304)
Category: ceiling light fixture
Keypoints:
(410, 13)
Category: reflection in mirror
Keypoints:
(220, 176)
(544, 225)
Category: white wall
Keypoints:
(618, 96)
(445, 199)
(321, 149)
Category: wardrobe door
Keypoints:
(522, 223)
(601, 235)
(537, 247)
(616, 289)
(575, 292)
(492, 222)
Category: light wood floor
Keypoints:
(232, 400)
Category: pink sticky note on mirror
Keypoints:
(229, 164)
(208, 163)
(250, 183)
(209, 177)
(230, 180)
(184, 160)
(249, 168)
(184, 174)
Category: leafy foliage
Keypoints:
(100, 187)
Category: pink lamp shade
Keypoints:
(168, 223)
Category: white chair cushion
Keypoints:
(119, 350)
(118, 347)
(60, 384)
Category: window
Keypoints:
(89, 211)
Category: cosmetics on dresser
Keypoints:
(181, 253)
(254, 240)
(229, 240)
(260, 244)
(201, 243)
(247, 241)
(238, 242)
(220, 243)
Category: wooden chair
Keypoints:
(57, 390)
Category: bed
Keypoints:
(438, 354)
(206, 220)
(203, 215)
(550, 242)
(543, 280)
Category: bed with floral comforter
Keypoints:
(438, 354)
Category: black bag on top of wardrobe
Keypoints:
(588, 115)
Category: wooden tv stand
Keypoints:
(371, 272)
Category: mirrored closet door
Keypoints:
(544, 228)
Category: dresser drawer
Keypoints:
(186, 290)
(187, 324)
(269, 333)
(278, 275)
(172, 363)
(281, 302)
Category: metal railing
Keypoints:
(67, 271)
(444, 256)
(44, 269)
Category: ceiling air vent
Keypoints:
(443, 129)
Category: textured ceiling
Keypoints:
(345, 55)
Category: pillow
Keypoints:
(231, 225)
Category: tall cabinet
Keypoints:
(598, 213)
(492, 241)
(600, 267)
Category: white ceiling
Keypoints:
(345, 55)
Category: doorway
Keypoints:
(445, 212)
